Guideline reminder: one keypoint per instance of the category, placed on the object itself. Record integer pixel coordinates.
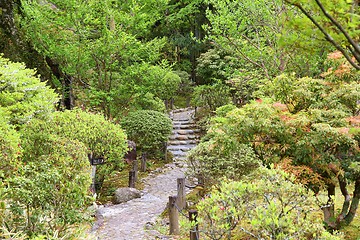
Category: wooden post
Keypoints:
(132, 179)
(143, 163)
(173, 216)
(172, 103)
(93, 172)
(194, 231)
(135, 166)
(181, 195)
(165, 151)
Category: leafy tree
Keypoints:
(148, 129)
(101, 137)
(310, 127)
(258, 36)
(22, 94)
(98, 48)
(336, 22)
(248, 30)
(267, 205)
(211, 96)
(9, 145)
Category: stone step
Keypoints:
(182, 121)
(184, 137)
(184, 126)
(183, 148)
(185, 131)
(178, 154)
(184, 142)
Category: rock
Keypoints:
(125, 194)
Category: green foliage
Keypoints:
(148, 129)
(48, 193)
(101, 137)
(212, 96)
(215, 64)
(22, 94)
(310, 130)
(330, 22)
(267, 205)
(307, 93)
(103, 47)
(221, 157)
(9, 145)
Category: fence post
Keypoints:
(165, 151)
(132, 179)
(93, 172)
(135, 166)
(194, 231)
(181, 195)
(143, 163)
(173, 216)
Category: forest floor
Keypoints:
(134, 220)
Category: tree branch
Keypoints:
(341, 28)
(327, 35)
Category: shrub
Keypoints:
(22, 94)
(49, 192)
(267, 205)
(101, 137)
(148, 129)
(221, 157)
(211, 97)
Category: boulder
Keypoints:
(125, 194)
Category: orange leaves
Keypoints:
(303, 174)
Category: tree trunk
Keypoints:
(354, 203)
(329, 208)
(66, 80)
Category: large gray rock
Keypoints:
(125, 194)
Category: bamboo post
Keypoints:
(194, 231)
(181, 195)
(143, 163)
(132, 179)
(173, 216)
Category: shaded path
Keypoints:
(128, 221)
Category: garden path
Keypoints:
(134, 219)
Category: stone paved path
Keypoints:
(128, 221)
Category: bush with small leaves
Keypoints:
(22, 94)
(101, 137)
(149, 129)
(49, 191)
(266, 205)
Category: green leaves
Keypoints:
(267, 204)
(149, 129)
(22, 94)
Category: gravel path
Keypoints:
(130, 220)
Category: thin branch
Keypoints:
(338, 25)
(246, 57)
(327, 35)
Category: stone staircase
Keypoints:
(185, 135)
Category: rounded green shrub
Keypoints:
(148, 129)
(101, 137)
